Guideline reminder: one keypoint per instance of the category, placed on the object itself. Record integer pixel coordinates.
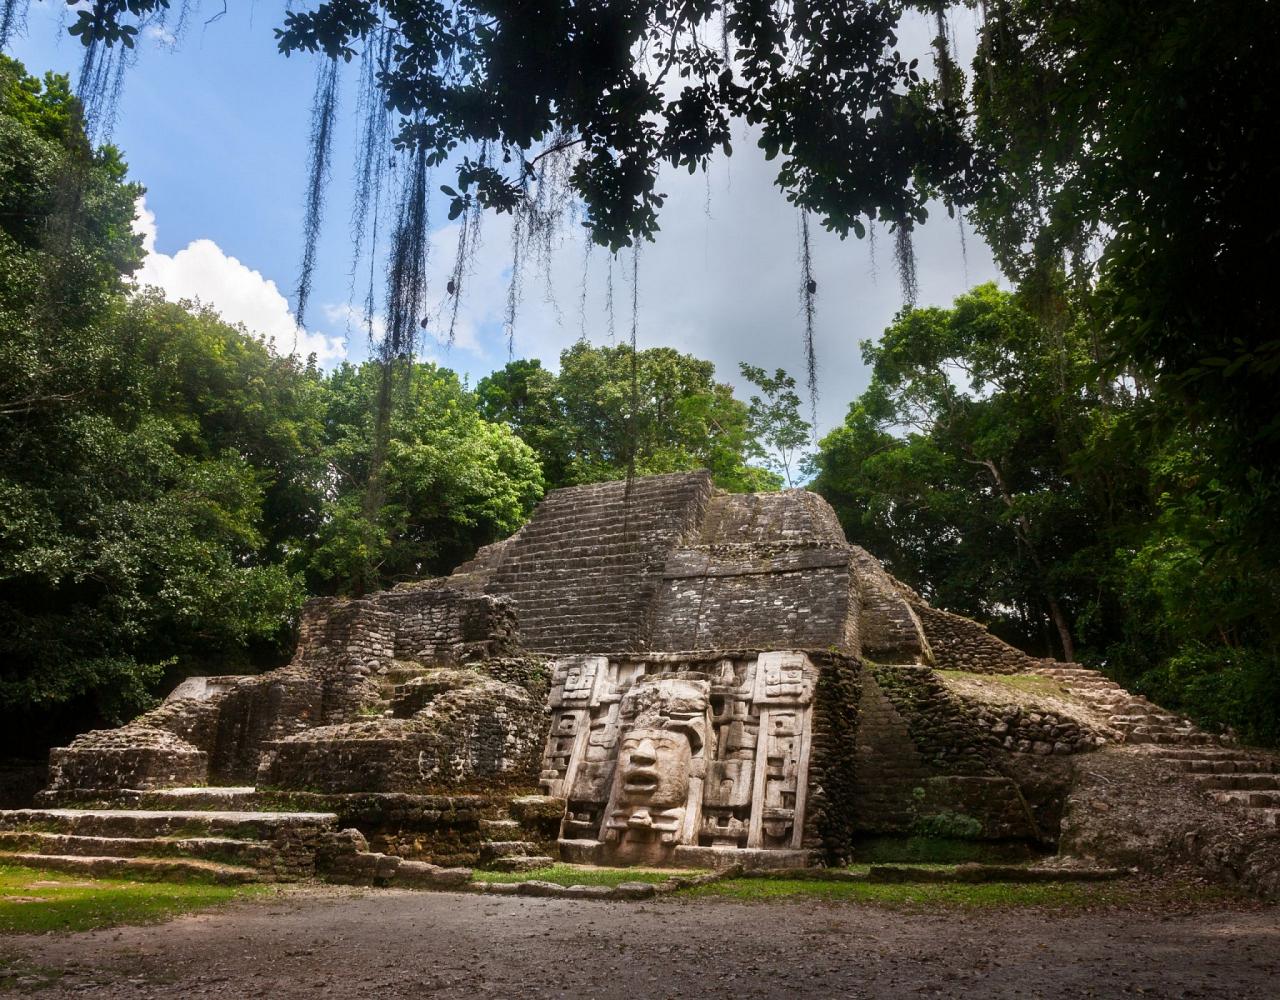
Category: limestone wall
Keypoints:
(748, 597)
(765, 571)
(453, 730)
(927, 766)
(442, 625)
(830, 823)
(216, 730)
(889, 630)
(584, 572)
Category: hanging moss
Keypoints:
(407, 268)
(373, 146)
(13, 18)
(874, 268)
(323, 112)
(904, 255)
(808, 302)
(582, 291)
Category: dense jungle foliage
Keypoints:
(998, 468)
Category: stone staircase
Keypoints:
(584, 571)
(394, 688)
(1136, 719)
(499, 852)
(1230, 775)
(209, 845)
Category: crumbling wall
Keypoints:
(442, 625)
(134, 757)
(830, 823)
(960, 643)
(927, 766)
(216, 730)
(458, 730)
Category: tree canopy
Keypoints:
(1001, 471)
(600, 418)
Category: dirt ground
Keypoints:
(386, 944)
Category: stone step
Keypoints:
(492, 849)
(251, 853)
(1147, 718)
(392, 677)
(142, 869)
(497, 828)
(1206, 753)
(1264, 799)
(165, 823)
(1193, 765)
(521, 863)
(237, 798)
(1145, 734)
(1262, 782)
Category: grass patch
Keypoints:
(970, 896)
(586, 875)
(34, 901)
(1027, 683)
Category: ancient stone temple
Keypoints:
(647, 673)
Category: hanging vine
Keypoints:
(13, 18)
(582, 291)
(808, 303)
(874, 267)
(407, 267)
(373, 145)
(323, 112)
(406, 293)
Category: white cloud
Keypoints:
(161, 35)
(202, 272)
(721, 282)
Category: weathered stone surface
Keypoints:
(733, 685)
(659, 750)
(959, 643)
(470, 731)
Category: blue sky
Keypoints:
(216, 129)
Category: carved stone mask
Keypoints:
(655, 765)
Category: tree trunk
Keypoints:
(1022, 528)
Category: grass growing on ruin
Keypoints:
(584, 875)
(34, 901)
(1027, 683)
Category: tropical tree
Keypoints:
(612, 412)
(775, 420)
(453, 480)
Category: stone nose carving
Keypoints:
(644, 755)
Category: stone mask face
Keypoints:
(655, 766)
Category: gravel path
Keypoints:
(389, 944)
